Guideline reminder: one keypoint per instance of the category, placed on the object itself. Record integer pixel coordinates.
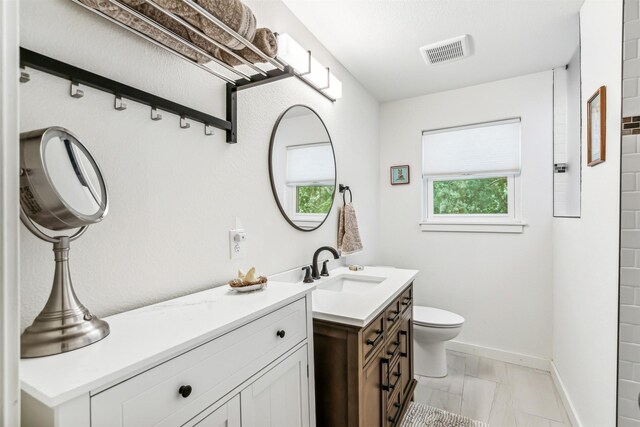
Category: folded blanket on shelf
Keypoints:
(174, 26)
(233, 13)
(264, 40)
(129, 20)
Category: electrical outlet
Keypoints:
(237, 242)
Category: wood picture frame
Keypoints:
(597, 127)
(400, 175)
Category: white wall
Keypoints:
(475, 273)
(585, 250)
(9, 243)
(175, 193)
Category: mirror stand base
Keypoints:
(64, 324)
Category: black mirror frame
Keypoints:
(273, 186)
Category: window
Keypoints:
(471, 178)
(310, 181)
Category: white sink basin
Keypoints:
(350, 283)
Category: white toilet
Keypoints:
(432, 328)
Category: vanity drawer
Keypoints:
(391, 377)
(394, 410)
(172, 393)
(406, 299)
(393, 314)
(394, 345)
(372, 337)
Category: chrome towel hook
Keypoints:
(155, 116)
(24, 76)
(119, 104)
(76, 92)
(183, 123)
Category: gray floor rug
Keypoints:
(426, 416)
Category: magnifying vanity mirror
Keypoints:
(61, 189)
(302, 166)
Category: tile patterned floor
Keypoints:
(498, 393)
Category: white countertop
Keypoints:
(148, 336)
(358, 309)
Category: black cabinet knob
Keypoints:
(185, 390)
(280, 333)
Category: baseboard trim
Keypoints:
(564, 396)
(502, 355)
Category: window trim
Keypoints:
(508, 227)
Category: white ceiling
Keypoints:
(378, 40)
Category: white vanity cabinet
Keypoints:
(280, 397)
(254, 371)
(227, 415)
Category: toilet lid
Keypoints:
(429, 316)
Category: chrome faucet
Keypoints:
(314, 265)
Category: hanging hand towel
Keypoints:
(349, 241)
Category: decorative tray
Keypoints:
(248, 282)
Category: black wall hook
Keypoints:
(343, 189)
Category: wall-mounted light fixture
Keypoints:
(307, 67)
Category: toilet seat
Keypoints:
(435, 317)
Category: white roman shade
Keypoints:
(487, 148)
(310, 164)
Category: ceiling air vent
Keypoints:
(446, 50)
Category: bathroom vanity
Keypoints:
(214, 358)
(363, 341)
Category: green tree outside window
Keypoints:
(314, 199)
(471, 196)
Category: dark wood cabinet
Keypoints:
(371, 401)
(364, 376)
(372, 337)
(406, 351)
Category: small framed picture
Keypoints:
(596, 127)
(400, 175)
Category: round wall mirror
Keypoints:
(302, 166)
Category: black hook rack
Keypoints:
(343, 189)
(76, 75)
